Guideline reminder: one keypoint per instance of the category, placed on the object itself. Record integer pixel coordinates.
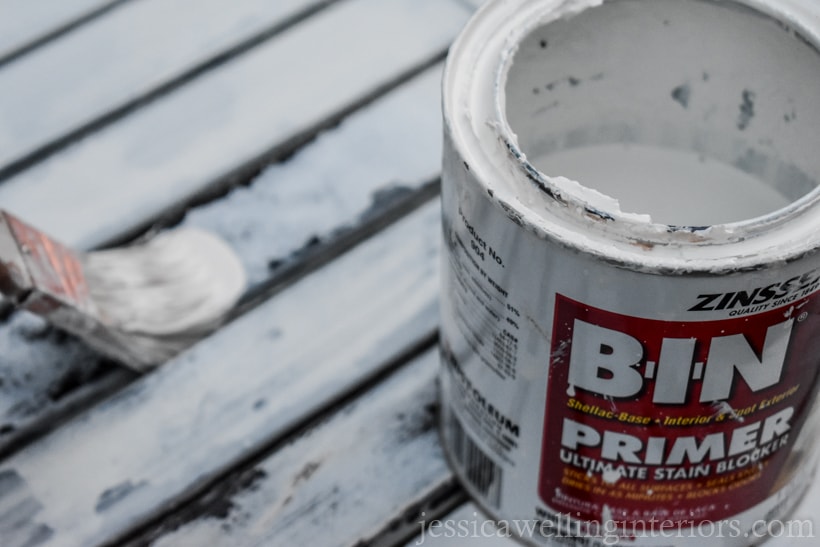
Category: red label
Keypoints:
(685, 421)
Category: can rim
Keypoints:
(488, 45)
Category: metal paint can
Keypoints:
(641, 372)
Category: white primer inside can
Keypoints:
(669, 185)
(631, 286)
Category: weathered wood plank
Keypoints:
(25, 24)
(368, 470)
(335, 185)
(63, 89)
(229, 119)
(173, 431)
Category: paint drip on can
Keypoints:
(631, 283)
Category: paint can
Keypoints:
(631, 279)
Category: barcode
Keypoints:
(481, 471)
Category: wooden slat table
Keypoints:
(307, 133)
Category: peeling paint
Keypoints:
(747, 110)
(682, 94)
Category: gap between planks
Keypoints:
(245, 173)
(44, 26)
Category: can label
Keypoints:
(576, 388)
(701, 416)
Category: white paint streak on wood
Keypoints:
(200, 413)
(175, 147)
(117, 58)
(353, 473)
(395, 142)
(25, 21)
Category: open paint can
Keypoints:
(631, 283)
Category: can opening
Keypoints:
(694, 112)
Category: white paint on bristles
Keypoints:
(165, 293)
(157, 287)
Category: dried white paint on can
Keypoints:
(633, 372)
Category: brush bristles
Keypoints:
(166, 293)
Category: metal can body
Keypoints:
(607, 379)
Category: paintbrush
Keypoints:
(140, 304)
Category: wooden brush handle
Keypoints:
(39, 270)
(15, 281)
